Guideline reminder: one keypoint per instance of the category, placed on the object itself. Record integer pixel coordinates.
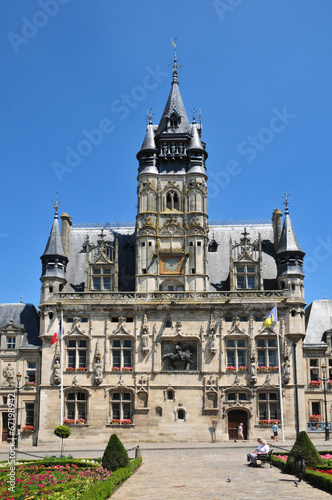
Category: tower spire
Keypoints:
(175, 62)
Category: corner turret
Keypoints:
(289, 258)
(54, 261)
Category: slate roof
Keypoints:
(218, 261)
(24, 316)
(318, 321)
(288, 240)
(54, 244)
(174, 103)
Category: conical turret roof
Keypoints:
(288, 240)
(54, 245)
(195, 142)
(149, 142)
(175, 105)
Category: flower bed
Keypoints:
(54, 481)
(242, 369)
(30, 384)
(230, 368)
(123, 369)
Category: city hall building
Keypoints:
(163, 321)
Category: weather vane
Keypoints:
(56, 205)
(193, 113)
(286, 202)
(149, 116)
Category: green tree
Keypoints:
(63, 432)
(304, 445)
(115, 455)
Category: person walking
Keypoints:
(275, 430)
(240, 432)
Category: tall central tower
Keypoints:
(171, 225)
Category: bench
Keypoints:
(264, 458)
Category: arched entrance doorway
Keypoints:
(235, 418)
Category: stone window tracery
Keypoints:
(236, 353)
(267, 351)
(268, 405)
(76, 405)
(121, 353)
(172, 200)
(77, 353)
(121, 405)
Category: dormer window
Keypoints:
(246, 276)
(174, 121)
(101, 278)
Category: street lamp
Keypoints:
(324, 380)
(18, 388)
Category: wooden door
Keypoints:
(4, 426)
(235, 418)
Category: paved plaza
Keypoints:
(197, 471)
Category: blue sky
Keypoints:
(260, 72)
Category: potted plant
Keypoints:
(230, 368)
(242, 368)
(28, 428)
(315, 418)
(315, 383)
(80, 421)
(262, 369)
(273, 368)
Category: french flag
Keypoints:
(57, 335)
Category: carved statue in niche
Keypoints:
(57, 372)
(97, 366)
(213, 348)
(285, 365)
(182, 355)
(253, 377)
(145, 335)
(9, 374)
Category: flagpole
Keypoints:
(280, 383)
(61, 373)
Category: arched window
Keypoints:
(181, 414)
(172, 200)
(170, 394)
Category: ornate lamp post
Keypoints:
(18, 388)
(324, 380)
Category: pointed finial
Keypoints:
(325, 297)
(200, 117)
(21, 301)
(56, 205)
(149, 116)
(193, 112)
(175, 61)
(286, 202)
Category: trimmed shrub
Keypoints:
(62, 431)
(115, 455)
(303, 444)
(103, 490)
(319, 479)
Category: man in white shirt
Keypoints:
(262, 448)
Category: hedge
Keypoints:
(319, 479)
(101, 491)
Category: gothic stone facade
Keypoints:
(163, 322)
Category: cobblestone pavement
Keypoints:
(201, 474)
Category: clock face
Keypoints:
(171, 265)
